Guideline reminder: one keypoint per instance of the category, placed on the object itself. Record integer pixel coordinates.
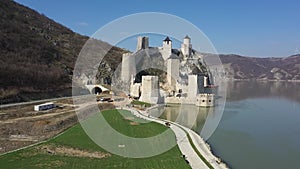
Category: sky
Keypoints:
(257, 28)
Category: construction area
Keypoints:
(21, 125)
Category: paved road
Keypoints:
(39, 101)
(31, 102)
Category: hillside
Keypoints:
(38, 57)
(37, 54)
(240, 67)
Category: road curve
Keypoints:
(184, 144)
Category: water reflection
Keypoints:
(187, 115)
(239, 90)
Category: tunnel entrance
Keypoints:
(96, 90)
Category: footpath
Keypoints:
(185, 144)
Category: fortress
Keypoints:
(185, 78)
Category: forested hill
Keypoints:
(37, 54)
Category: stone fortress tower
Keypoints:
(166, 49)
(173, 64)
(186, 47)
(182, 84)
(129, 60)
(128, 67)
(150, 89)
(142, 43)
(205, 100)
(193, 89)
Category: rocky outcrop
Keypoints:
(240, 67)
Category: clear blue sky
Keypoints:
(261, 28)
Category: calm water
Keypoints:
(260, 126)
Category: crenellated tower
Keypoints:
(186, 47)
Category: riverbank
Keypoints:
(197, 152)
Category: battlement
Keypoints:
(205, 100)
(206, 95)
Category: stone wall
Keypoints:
(128, 67)
(205, 100)
(150, 89)
(172, 72)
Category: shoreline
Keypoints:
(201, 146)
(263, 80)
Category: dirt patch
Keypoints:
(133, 123)
(129, 118)
(41, 123)
(72, 152)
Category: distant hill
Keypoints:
(37, 54)
(240, 67)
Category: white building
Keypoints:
(44, 106)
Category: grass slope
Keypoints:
(75, 137)
(136, 102)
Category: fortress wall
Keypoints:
(193, 86)
(206, 100)
(128, 67)
(150, 89)
(135, 90)
(172, 72)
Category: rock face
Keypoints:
(239, 67)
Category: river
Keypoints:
(259, 128)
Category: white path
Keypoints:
(202, 147)
(186, 148)
(182, 141)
